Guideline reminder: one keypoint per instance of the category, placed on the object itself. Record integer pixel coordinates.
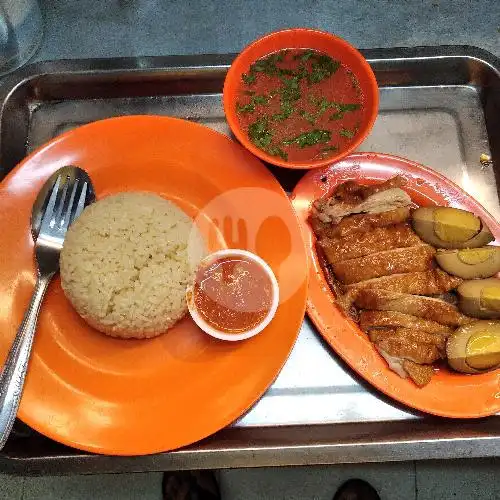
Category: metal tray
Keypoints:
(439, 106)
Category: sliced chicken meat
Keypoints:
(420, 374)
(351, 197)
(417, 305)
(352, 191)
(374, 319)
(333, 211)
(420, 336)
(335, 286)
(380, 273)
(360, 244)
(419, 283)
(395, 261)
(409, 349)
(358, 223)
(361, 223)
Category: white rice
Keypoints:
(126, 263)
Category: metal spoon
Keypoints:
(59, 203)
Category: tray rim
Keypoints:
(216, 61)
(458, 439)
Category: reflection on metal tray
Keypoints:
(439, 106)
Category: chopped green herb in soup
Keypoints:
(299, 105)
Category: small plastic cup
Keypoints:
(222, 335)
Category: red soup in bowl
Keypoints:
(308, 102)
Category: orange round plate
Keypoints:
(449, 394)
(131, 397)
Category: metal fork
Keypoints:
(67, 200)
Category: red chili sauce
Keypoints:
(300, 105)
(233, 294)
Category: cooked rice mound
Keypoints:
(126, 262)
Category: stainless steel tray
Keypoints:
(439, 106)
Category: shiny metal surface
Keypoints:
(439, 106)
(69, 175)
(67, 190)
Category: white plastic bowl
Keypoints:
(207, 328)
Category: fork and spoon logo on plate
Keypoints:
(254, 219)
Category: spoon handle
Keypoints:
(14, 371)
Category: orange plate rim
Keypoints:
(116, 427)
(287, 37)
(345, 336)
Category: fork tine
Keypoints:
(61, 201)
(49, 211)
(81, 202)
(66, 220)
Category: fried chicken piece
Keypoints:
(420, 374)
(395, 261)
(335, 286)
(374, 319)
(395, 363)
(360, 244)
(353, 192)
(383, 201)
(419, 336)
(333, 210)
(351, 197)
(409, 349)
(321, 229)
(361, 223)
(431, 282)
(417, 305)
(358, 223)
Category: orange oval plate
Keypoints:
(448, 394)
(132, 397)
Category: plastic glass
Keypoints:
(21, 31)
